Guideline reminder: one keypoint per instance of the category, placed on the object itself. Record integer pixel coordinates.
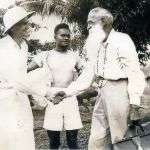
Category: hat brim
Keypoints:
(27, 16)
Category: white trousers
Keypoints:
(110, 114)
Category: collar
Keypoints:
(110, 37)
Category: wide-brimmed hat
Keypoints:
(15, 15)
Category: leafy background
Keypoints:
(131, 16)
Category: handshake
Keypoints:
(55, 96)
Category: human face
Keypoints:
(91, 22)
(62, 38)
(21, 29)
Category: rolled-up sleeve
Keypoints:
(131, 66)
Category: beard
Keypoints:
(94, 41)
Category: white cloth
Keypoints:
(14, 70)
(62, 70)
(16, 120)
(61, 65)
(63, 115)
(121, 62)
(111, 111)
(40, 77)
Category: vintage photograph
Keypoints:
(74, 75)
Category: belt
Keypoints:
(99, 78)
(120, 79)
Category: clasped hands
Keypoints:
(55, 96)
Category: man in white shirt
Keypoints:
(113, 61)
(16, 120)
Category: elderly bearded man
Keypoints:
(16, 121)
(114, 62)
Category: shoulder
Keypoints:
(121, 38)
(122, 41)
(6, 41)
(7, 44)
(75, 55)
(125, 45)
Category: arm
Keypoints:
(83, 82)
(34, 86)
(136, 79)
(32, 83)
(89, 93)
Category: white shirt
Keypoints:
(61, 65)
(13, 67)
(121, 61)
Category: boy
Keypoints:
(61, 62)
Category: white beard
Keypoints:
(94, 41)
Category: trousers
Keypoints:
(110, 114)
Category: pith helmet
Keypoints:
(15, 15)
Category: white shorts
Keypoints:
(63, 115)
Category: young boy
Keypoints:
(62, 63)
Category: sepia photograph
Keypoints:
(74, 75)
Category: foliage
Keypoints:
(2, 11)
(131, 16)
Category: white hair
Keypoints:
(99, 13)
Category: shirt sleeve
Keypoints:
(37, 82)
(27, 86)
(83, 81)
(130, 64)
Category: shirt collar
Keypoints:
(110, 37)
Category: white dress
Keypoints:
(16, 120)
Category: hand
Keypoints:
(134, 112)
(57, 98)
